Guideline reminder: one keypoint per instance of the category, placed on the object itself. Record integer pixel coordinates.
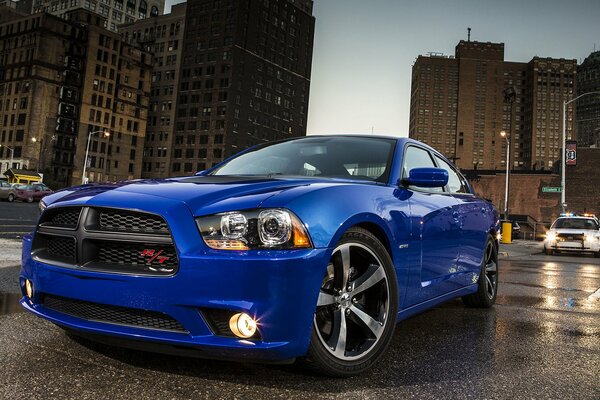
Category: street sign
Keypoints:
(548, 189)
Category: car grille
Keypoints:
(112, 314)
(570, 237)
(105, 239)
(127, 221)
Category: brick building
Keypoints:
(115, 12)
(458, 105)
(588, 107)
(61, 80)
(526, 195)
(245, 78)
(162, 36)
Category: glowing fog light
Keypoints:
(28, 288)
(242, 325)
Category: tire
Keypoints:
(487, 284)
(548, 252)
(30, 199)
(11, 198)
(358, 304)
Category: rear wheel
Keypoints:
(11, 197)
(356, 309)
(487, 284)
(30, 199)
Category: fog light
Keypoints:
(242, 325)
(28, 288)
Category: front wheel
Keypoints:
(487, 284)
(357, 307)
(548, 252)
(11, 198)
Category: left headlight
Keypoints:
(42, 206)
(272, 228)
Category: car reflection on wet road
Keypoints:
(541, 340)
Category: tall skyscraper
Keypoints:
(461, 103)
(162, 36)
(244, 80)
(588, 107)
(115, 12)
(64, 82)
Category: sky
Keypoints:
(364, 50)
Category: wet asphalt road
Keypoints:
(17, 219)
(541, 340)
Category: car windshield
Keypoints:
(575, 223)
(21, 186)
(325, 157)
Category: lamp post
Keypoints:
(34, 140)
(510, 95)
(87, 151)
(563, 201)
(12, 152)
(507, 137)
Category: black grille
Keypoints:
(127, 221)
(63, 247)
(158, 258)
(66, 218)
(106, 239)
(113, 314)
(569, 237)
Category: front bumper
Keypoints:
(574, 246)
(278, 288)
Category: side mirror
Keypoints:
(427, 177)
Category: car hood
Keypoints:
(202, 194)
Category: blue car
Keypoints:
(310, 248)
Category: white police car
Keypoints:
(572, 233)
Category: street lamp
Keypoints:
(34, 140)
(507, 137)
(12, 152)
(563, 201)
(87, 151)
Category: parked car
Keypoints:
(4, 190)
(28, 193)
(310, 248)
(570, 233)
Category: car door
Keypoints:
(435, 229)
(475, 215)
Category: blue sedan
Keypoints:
(310, 248)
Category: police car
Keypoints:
(573, 233)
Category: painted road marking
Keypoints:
(595, 295)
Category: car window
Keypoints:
(575, 223)
(456, 183)
(416, 157)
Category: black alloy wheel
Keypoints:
(357, 306)
(487, 284)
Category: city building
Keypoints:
(461, 103)
(588, 107)
(115, 12)
(163, 37)
(64, 83)
(244, 78)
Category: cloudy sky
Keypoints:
(364, 50)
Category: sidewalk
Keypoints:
(10, 252)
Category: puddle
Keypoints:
(9, 303)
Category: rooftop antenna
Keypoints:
(468, 34)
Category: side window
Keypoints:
(415, 157)
(456, 183)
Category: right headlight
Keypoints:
(272, 228)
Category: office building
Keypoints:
(244, 80)
(63, 81)
(115, 12)
(461, 103)
(588, 107)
